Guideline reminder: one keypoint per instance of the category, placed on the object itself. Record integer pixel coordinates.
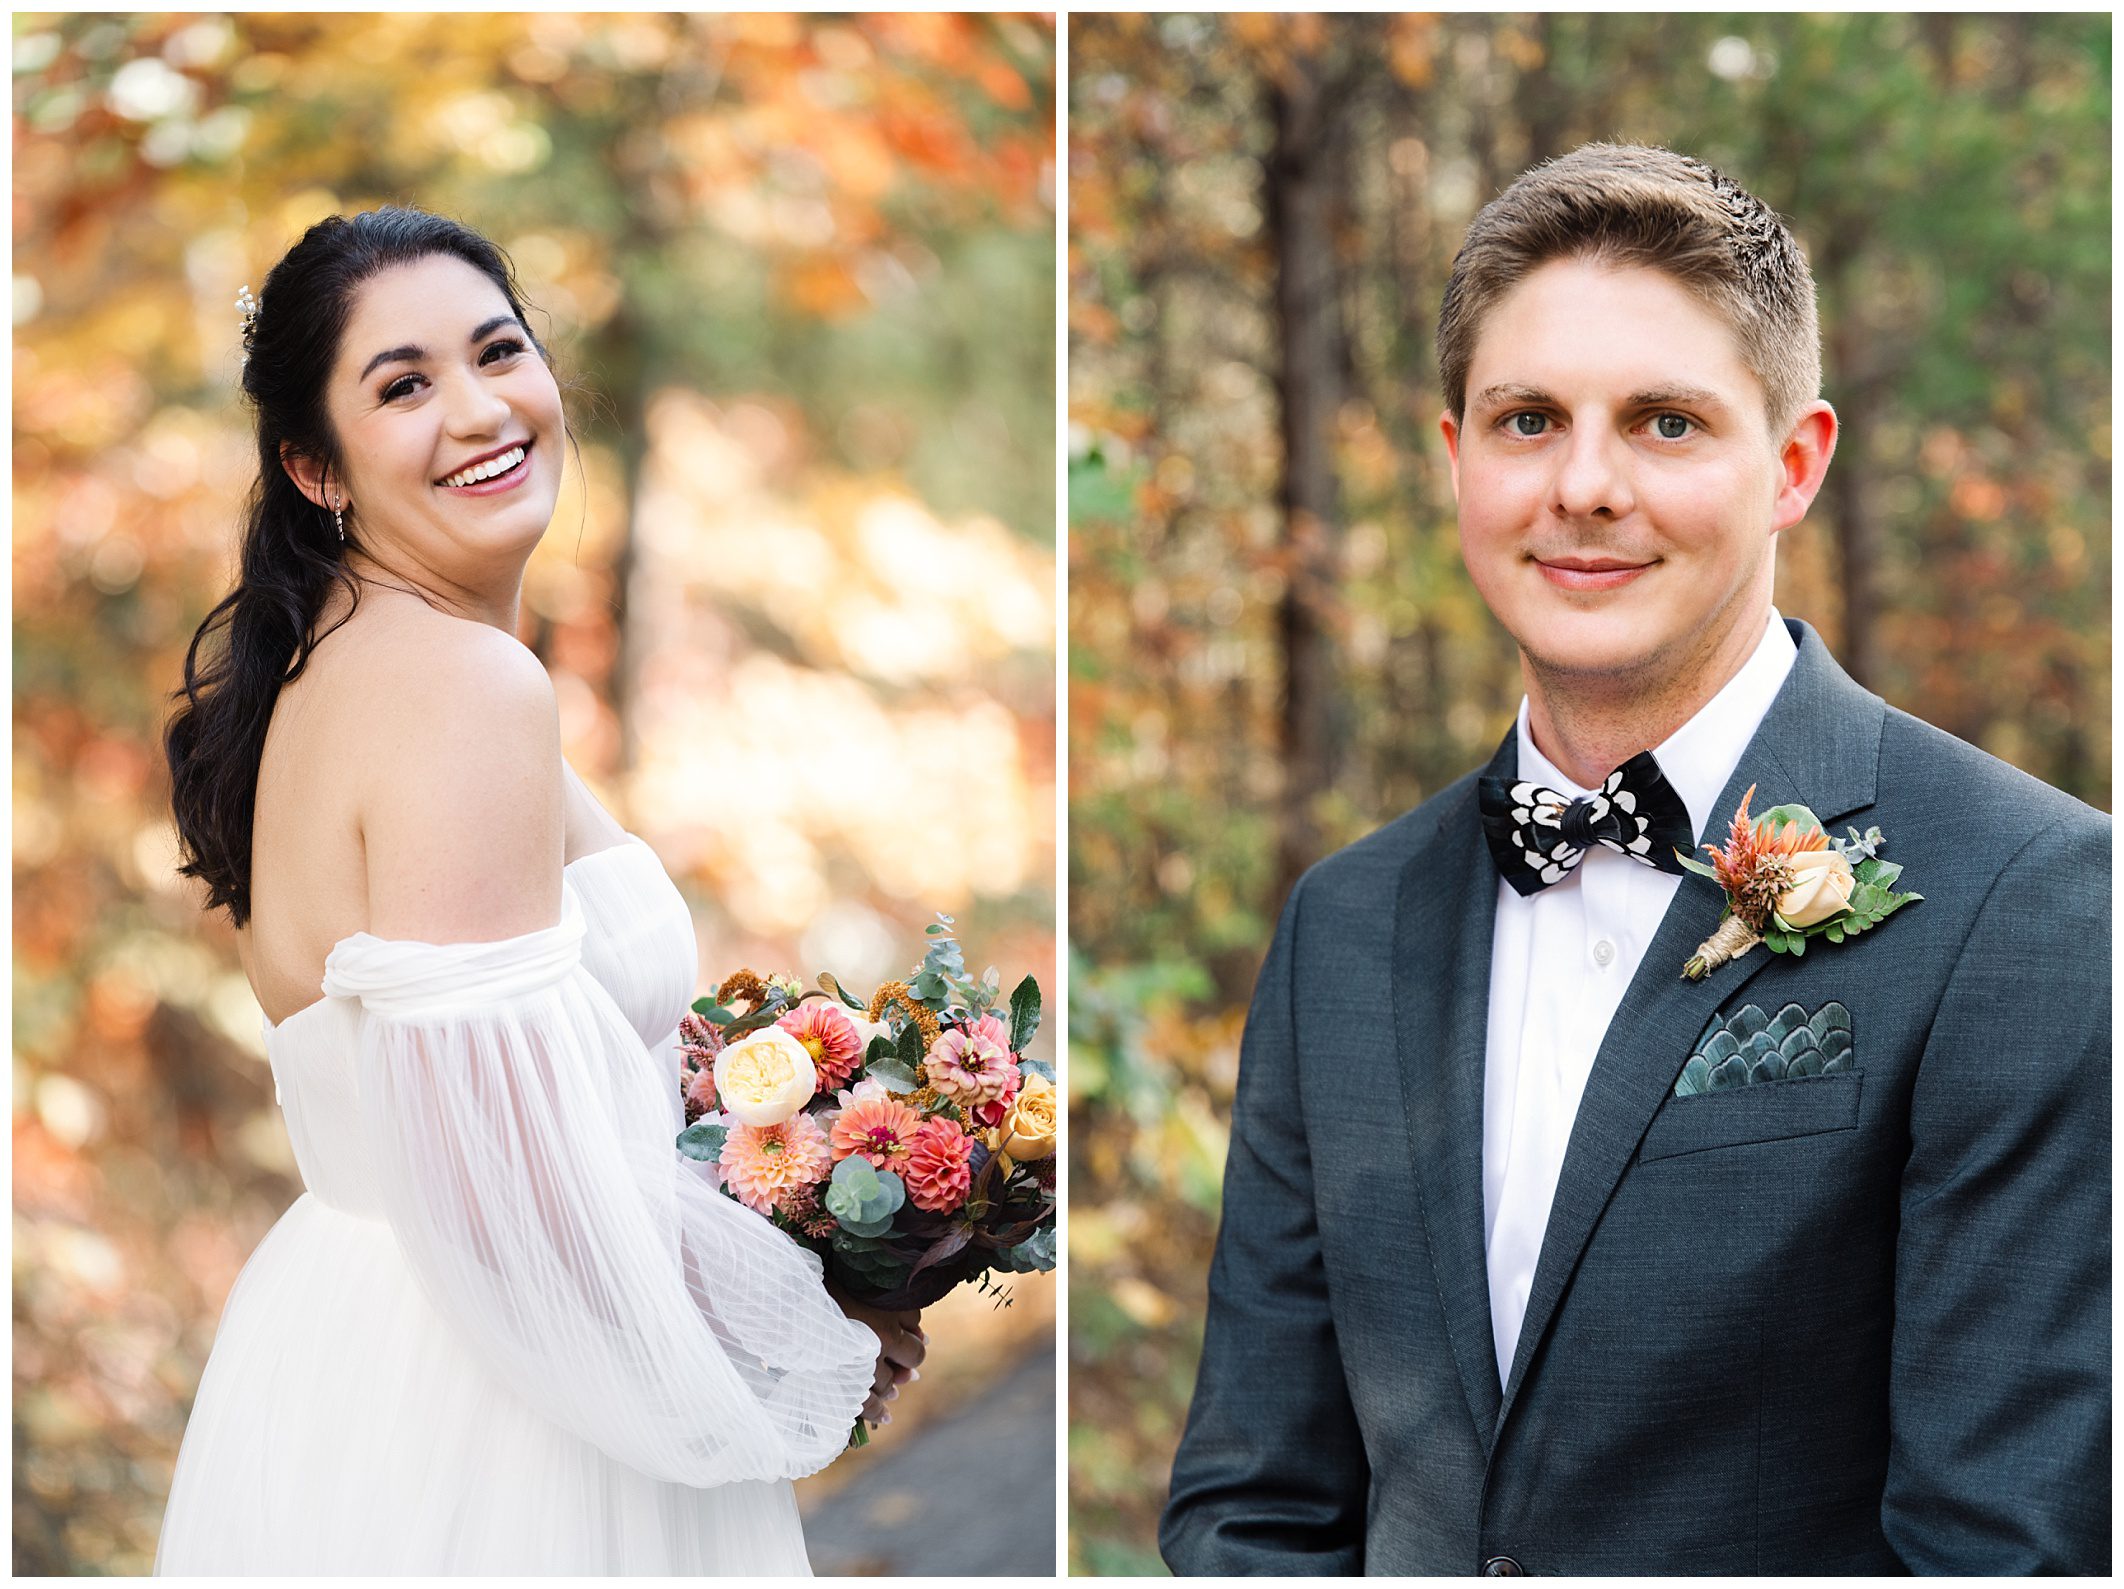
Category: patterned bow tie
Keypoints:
(1537, 835)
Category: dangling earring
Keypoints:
(339, 522)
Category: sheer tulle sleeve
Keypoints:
(522, 1140)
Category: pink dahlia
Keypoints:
(883, 1130)
(937, 1173)
(836, 1047)
(763, 1163)
(972, 1065)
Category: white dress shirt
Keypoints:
(1559, 963)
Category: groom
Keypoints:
(1501, 1286)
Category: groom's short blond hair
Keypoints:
(1633, 205)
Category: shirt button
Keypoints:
(1603, 953)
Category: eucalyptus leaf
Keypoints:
(1790, 815)
(1035, 1254)
(1882, 873)
(703, 1140)
(713, 1013)
(892, 1075)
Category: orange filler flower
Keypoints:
(1755, 867)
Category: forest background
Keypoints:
(1273, 647)
(797, 600)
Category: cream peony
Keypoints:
(1822, 888)
(765, 1078)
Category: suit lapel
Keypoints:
(1819, 746)
(1444, 911)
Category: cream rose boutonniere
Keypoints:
(1786, 881)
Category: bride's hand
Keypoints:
(901, 1347)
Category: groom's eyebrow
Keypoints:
(1514, 394)
(1668, 394)
(1676, 395)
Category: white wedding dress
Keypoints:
(508, 1328)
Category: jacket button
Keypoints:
(1502, 1567)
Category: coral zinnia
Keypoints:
(937, 1173)
(974, 1065)
(763, 1163)
(836, 1047)
(882, 1130)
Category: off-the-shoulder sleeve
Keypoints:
(523, 1141)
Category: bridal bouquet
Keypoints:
(907, 1140)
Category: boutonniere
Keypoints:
(1787, 881)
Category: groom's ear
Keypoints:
(1803, 463)
(1449, 427)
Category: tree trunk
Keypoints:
(1539, 104)
(1846, 484)
(625, 364)
(1300, 190)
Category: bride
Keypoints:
(505, 1328)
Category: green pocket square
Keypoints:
(1748, 1047)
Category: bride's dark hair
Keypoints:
(260, 635)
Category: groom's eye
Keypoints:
(1528, 424)
(1671, 427)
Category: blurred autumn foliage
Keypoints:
(1272, 645)
(798, 597)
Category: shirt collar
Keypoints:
(1699, 756)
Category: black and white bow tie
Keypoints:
(1537, 835)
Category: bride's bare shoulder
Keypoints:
(462, 804)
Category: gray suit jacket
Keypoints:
(1852, 1323)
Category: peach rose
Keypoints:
(1029, 1128)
